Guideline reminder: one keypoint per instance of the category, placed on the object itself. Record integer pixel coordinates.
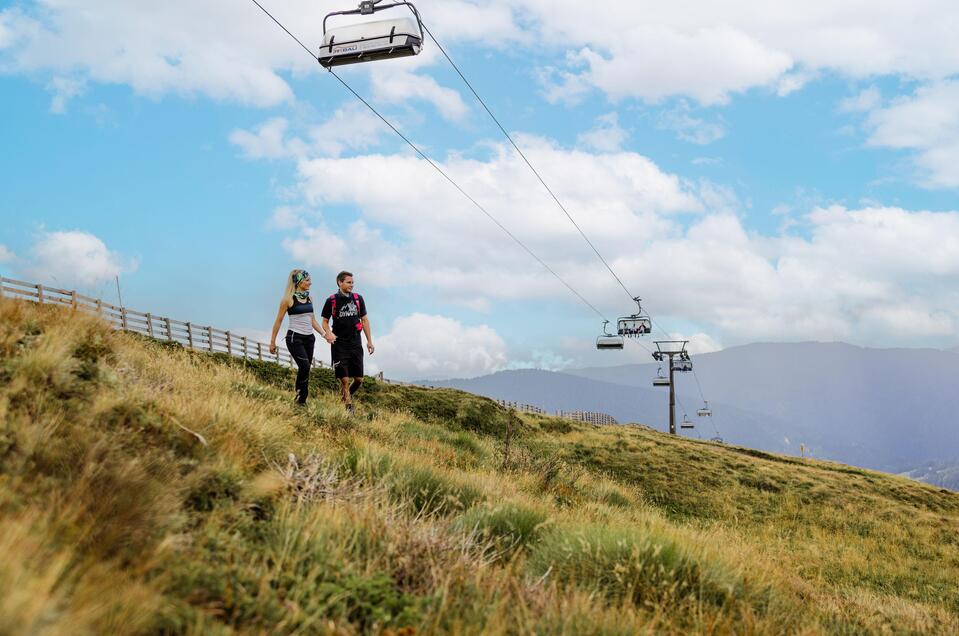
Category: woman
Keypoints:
(298, 305)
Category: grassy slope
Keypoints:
(115, 518)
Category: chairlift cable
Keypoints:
(528, 163)
(437, 168)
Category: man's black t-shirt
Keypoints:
(346, 318)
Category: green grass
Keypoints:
(410, 517)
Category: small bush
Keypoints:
(428, 491)
(508, 527)
(626, 564)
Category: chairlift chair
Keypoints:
(372, 40)
(705, 411)
(682, 365)
(686, 423)
(638, 324)
(608, 340)
(660, 379)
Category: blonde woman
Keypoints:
(298, 305)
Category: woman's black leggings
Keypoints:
(301, 348)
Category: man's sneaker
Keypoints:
(349, 409)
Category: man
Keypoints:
(348, 312)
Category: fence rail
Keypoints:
(188, 334)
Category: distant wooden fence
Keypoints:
(524, 408)
(194, 336)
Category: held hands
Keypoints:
(329, 337)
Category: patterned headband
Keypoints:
(299, 276)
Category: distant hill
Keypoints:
(943, 474)
(554, 391)
(890, 409)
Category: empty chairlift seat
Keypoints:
(372, 40)
(608, 340)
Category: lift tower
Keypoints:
(675, 352)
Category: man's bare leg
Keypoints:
(355, 386)
(345, 394)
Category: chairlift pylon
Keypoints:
(635, 325)
(372, 40)
(608, 340)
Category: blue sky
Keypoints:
(755, 175)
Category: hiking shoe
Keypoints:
(349, 409)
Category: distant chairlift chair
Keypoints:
(638, 324)
(608, 341)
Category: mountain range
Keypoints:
(888, 409)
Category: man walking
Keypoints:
(347, 310)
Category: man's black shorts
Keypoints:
(348, 362)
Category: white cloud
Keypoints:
(689, 128)
(352, 127)
(64, 89)
(852, 274)
(414, 223)
(421, 346)
(928, 123)
(648, 51)
(74, 258)
(709, 51)
(864, 101)
(398, 86)
(606, 136)
(794, 81)
(268, 141)
(6, 255)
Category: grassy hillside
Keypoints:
(149, 489)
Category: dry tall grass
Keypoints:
(145, 489)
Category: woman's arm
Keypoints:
(284, 305)
(325, 334)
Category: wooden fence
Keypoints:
(194, 336)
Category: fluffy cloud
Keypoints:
(218, 48)
(74, 258)
(689, 128)
(644, 50)
(707, 52)
(421, 346)
(6, 255)
(927, 122)
(419, 230)
(605, 136)
(855, 274)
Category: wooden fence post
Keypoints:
(209, 337)
(40, 294)
(189, 334)
(1, 286)
(259, 351)
(229, 343)
(99, 307)
(123, 317)
(73, 299)
(244, 348)
(169, 329)
(150, 324)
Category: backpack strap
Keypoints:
(333, 306)
(359, 321)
